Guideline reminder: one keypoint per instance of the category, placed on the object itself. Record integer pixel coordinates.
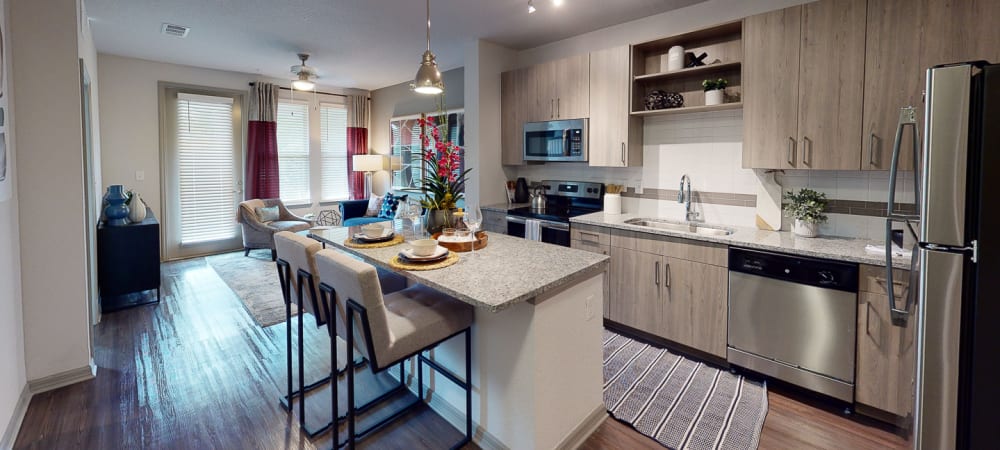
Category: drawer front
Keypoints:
(680, 248)
(590, 247)
(873, 280)
(495, 221)
(590, 234)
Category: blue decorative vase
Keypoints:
(116, 213)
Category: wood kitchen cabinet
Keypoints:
(671, 287)
(512, 114)
(615, 135)
(828, 37)
(886, 353)
(904, 38)
(595, 240)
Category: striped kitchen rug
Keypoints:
(681, 403)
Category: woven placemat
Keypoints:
(397, 263)
(355, 244)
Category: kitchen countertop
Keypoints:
(509, 270)
(837, 248)
(503, 207)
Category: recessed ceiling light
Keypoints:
(557, 2)
(531, 7)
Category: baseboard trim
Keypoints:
(14, 426)
(62, 379)
(456, 418)
(576, 438)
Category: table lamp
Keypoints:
(368, 164)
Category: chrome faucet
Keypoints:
(686, 199)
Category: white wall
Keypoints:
(484, 62)
(398, 100)
(129, 101)
(44, 37)
(13, 377)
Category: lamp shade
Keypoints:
(367, 163)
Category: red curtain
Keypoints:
(357, 144)
(262, 160)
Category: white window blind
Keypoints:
(206, 168)
(333, 131)
(293, 151)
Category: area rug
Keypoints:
(254, 279)
(680, 403)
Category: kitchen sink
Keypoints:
(684, 227)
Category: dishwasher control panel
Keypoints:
(817, 272)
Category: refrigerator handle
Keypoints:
(907, 117)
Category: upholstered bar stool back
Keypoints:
(400, 323)
(300, 253)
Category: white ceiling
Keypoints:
(366, 44)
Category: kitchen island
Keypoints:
(537, 359)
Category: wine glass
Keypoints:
(473, 219)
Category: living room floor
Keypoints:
(196, 371)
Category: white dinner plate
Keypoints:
(438, 252)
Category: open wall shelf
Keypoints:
(724, 46)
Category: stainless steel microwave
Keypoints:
(556, 140)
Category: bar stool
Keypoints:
(296, 255)
(389, 329)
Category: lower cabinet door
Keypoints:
(695, 305)
(635, 288)
(886, 357)
(592, 247)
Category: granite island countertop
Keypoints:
(508, 271)
(836, 248)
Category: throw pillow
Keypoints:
(390, 204)
(268, 214)
(374, 206)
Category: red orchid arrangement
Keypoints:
(443, 182)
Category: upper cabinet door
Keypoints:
(572, 87)
(894, 78)
(831, 83)
(771, 88)
(512, 117)
(609, 115)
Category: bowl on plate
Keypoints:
(424, 247)
(372, 230)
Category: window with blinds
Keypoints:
(293, 151)
(333, 149)
(207, 168)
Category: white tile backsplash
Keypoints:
(708, 148)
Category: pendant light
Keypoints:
(428, 79)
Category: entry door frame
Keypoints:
(170, 248)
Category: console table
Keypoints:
(128, 263)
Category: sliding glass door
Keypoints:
(201, 161)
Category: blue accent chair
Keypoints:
(352, 213)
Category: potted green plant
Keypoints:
(715, 91)
(806, 207)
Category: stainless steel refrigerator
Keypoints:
(955, 273)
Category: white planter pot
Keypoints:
(612, 204)
(805, 229)
(715, 97)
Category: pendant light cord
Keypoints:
(428, 25)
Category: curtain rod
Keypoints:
(316, 92)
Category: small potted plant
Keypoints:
(806, 207)
(715, 91)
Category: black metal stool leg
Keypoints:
(350, 383)
(468, 387)
(302, 368)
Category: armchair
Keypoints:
(352, 213)
(260, 235)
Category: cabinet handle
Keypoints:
(623, 155)
(558, 108)
(552, 108)
(806, 150)
(656, 273)
(871, 150)
(791, 151)
(667, 275)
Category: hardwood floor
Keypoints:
(196, 371)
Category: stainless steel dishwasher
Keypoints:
(794, 318)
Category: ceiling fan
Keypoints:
(307, 75)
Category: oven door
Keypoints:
(556, 140)
(550, 232)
